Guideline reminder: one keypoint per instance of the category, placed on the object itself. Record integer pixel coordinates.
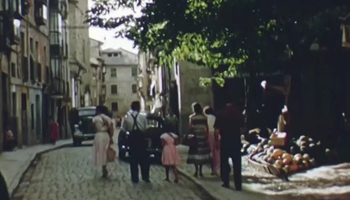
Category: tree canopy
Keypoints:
(237, 34)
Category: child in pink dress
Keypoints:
(170, 156)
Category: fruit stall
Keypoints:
(279, 157)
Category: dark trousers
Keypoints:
(235, 155)
(4, 193)
(139, 157)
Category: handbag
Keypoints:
(111, 153)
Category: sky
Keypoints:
(108, 36)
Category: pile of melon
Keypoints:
(288, 162)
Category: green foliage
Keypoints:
(239, 35)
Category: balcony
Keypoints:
(21, 9)
(40, 13)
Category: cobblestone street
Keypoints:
(67, 174)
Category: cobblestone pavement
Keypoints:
(67, 174)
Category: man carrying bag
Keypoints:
(135, 123)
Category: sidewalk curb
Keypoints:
(198, 183)
(27, 166)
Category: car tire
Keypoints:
(76, 142)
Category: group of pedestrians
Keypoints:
(213, 139)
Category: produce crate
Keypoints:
(267, 168)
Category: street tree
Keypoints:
(247, 35)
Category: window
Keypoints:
(44, 12)
(17, 27)
(5, 6)
(22, 43)
(14, 104)
(115, 54)
(32, 115)
(60, 23)
(109, 55)
(45, 54)
(114, 106)
(39, 72)
(37, 48)
(134, 71)
(31, 44)
(13, 69)
(114, 89)
(134, 88)
(113, 72)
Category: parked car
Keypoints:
(83, 126)
(153, 132)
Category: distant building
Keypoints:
(98, 95)
(175, 88)
(121, 79)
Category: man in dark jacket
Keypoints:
(4, 193)
(228, 123)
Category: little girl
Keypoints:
(170, 156)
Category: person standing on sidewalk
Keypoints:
(136, 123)
(199, 152)
(228, 122)
(213, 140)
(54, 131)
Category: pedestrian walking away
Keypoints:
(103, 139)
(199, 151)
(170, 156)
(135, 123)
(228, 122)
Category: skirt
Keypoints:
(99, 149)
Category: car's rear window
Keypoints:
(88, 112)
(152, 123)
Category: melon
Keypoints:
(306, 157)
(277, 153)
(286, 161)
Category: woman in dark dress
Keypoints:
(199, 152)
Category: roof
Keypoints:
(94, 61)
(124, 57)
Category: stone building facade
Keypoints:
(28, 67)
(79, 54)
(173, 88)
(121, 79)
(189, 90)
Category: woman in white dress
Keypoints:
(103, 138)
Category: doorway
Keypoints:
(38, 118)
(24, 119)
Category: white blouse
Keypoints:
(211, 122)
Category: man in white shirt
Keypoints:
(136, 123)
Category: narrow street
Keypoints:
(66, 174)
